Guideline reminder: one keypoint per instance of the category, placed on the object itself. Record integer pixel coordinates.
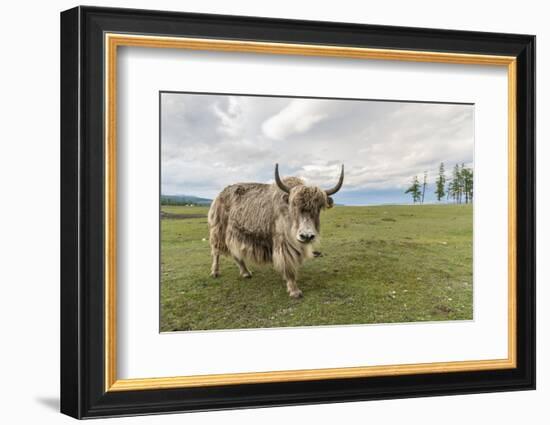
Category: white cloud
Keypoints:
(297, 117)
(232, 119)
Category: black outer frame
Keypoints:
(82, 218)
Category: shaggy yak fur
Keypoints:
(265, 224)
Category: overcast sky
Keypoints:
(211, 141)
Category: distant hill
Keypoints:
(184, 200)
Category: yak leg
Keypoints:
(215, 263)
(288, 270)
(243, 270)
(292, 287)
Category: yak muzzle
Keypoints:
(306, 237)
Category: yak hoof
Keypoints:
(215, 274)
(247, 275)
(296, 294)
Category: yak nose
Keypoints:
(307, 237)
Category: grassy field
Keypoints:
(379, 264)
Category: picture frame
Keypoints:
(90, 40)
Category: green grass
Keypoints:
(380, 264)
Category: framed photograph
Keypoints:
(261, 212)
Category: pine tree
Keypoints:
(440, 183)
(468, 183)
(424, 186)
(461, 186)
(414, 190)
(454, 188)
(458, 188)
(461, 191)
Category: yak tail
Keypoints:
(217, 225)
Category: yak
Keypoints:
(268, 223)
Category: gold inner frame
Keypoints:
(113, 41)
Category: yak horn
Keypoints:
(338, 185)
(281, 185)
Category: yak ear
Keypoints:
(330, 202)
(285, 197)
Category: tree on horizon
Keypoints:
(459, 187)
(424, 186)
(414, 190)
(468, 183)
(440, 183)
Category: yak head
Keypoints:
(305, 205)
